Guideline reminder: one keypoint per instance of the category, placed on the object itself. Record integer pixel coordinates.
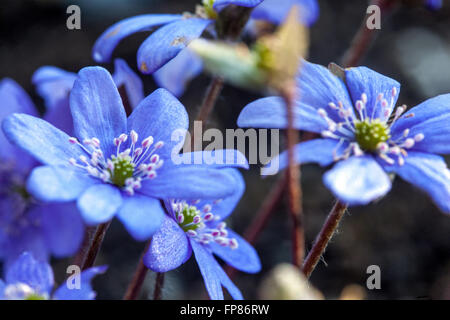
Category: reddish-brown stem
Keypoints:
(159, 284)
(324, 237)
(293, 180)
(85, 245)
(364, 37)
(135, 285)
(211, 95)
(263, 216)
(94, 247)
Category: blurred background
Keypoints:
(404, 233)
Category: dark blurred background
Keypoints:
(403, 233)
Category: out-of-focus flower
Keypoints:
(31, 279)
(199, 226)
(363, 133)
(287, 282)
(114, 166)
(163, 52)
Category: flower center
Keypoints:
(369, 134)
(127, 168)
(22, 291)
(206, 10)
(202, 225)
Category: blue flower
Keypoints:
(26, 224)
(31, 279)
(114, 165)
(199, 226)
(163, 54)
(433, 4)
(364, 133)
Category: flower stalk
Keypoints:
(135, 285)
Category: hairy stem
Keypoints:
(293, 180)
(91, 253)
(159, 284)
(135, 285)
(324, 237)
(364, 37)
(211, 95)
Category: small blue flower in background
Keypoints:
(364, 133)
(27, 224)
(434, 4)
(114, 166)
(163, 54)
(199, 226)
(31, 279)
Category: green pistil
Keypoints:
(370, 133)
(35, 296)
(209, 10)
(189, 212)
(123, 169)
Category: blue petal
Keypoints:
(270, 112)
(364, 80)
(60, 116)
(62, 227)
(434, 4)
(141, 216)
(85, 292)
(244, 258)
(167, 42)
(48, 183)
(14, 99)
(225, 206)
(160, 115)
(276, 11)
(318, 87)
(321, 151)
(99, 203)
(357, 180)
(97, 108)
(208, 269)
(430, 118)
(213, 159)
(38, 275)
(178, 72)
(428, 172)
(125, 76)
(53, 84)
(43, 141)
(189, 182)
(105, 44)
(169, 247)
(219, 4)
(2, 288)
(226, 282)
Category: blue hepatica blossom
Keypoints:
(31, 279)
(163, 52)
(363, 133)
(433, 4)
(114, 166)
(199, 226)
(25, 223)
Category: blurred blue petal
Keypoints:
(357, 180)
(51, 183)
(141, 216)
(167, 42)
(169, 247)
(276, 11)
(97, 108)
(126, 77)
(364, 80)
(176, 74)
(36, 274)
(428, 172)
(85, 292)
(106, 43)
(99, 203)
